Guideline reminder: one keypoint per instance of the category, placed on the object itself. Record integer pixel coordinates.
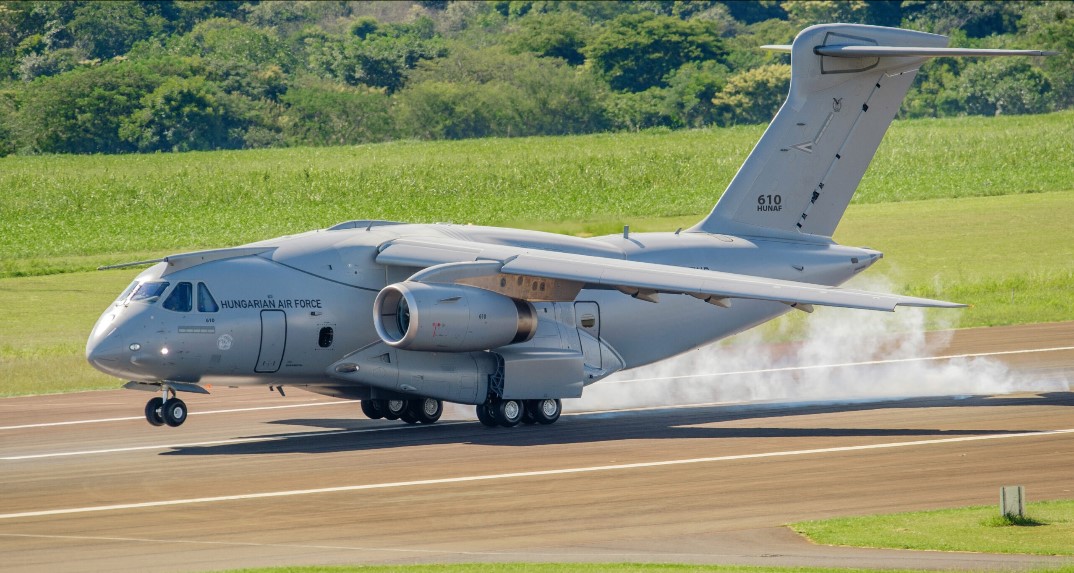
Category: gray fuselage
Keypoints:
(286, 316)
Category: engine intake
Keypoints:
(450, 318)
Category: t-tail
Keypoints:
(847, 83)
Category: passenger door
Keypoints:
(273, 340)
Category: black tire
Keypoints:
(509, 413)
(393, 409)
(409, 416)
(371, 409)
(174, 412)
(152, 411)
(486, 415)
(528, 416)
(428, 410)
(547, 411)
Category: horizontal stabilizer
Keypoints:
(853, 51)
(847, 51)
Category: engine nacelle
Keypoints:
(450, 318)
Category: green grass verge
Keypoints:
(974, 529)
(73, 212)
(579, 568)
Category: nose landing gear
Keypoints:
(167, 408)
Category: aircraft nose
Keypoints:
(103, 354)
(103, 351)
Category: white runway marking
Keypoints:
(487, 477)
(846, 365)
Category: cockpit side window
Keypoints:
(149, 291)
(206, 302)
(126, 292)
(180, 299)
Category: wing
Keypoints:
(640, 279)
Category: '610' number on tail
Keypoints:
(769, 202)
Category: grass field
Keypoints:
(72, 212)
(960, 209)
(966, 529)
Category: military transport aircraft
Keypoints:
(404, 317)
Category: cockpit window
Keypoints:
(149, 290)
(180, 299)
(206, 302)
(126, 292)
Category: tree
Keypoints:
(320, 112)
(998, 86)
(375, 55)
(753, 96)
(183, 114)
(810, 12)
(108, 29)
(81, 111)
(223, 40)
(1050, 26)
(552, 35)
(636, 52)
(531, 95)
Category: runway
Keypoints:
(256, 479)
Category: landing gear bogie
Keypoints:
(510, 413)
(417, 411)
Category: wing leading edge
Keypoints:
(640, 279)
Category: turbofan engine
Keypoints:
(450, 318)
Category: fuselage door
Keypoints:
(587, 316)
(273, 340)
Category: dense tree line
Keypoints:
(115, 77)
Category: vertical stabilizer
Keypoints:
(798, 180)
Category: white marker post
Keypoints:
(1012, 501)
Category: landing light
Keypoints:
(164, 351)
(135, 347)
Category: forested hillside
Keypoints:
(119, 77)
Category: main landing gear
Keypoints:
(422, 410)
(510, 413)
(171, 411)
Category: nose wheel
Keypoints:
(152, 412)
(167, 409)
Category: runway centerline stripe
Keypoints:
(847, 364)
(515, 475)
(605, 383)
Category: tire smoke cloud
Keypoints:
(845, 355)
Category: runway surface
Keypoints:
(256, 479)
